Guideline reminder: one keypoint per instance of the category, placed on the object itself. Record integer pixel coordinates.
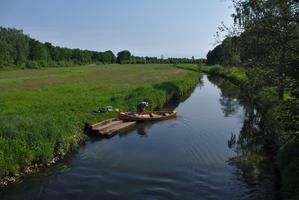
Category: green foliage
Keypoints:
(288, 161)
(155, 97)
(37, 51)
(14, 47)
(107, 57)
(123, 57)
(288, 152)
(226, 54)
(192, 67)
(236, 75)
(289, 115)
(32, 64)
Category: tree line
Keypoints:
(18, 49)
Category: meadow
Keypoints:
(43, 112)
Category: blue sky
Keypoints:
(175, 28)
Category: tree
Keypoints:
(22, 49)
(77, 56)
(270, 32)
(37, 51)
(226, 54)
(14, 46)
(123, 57)
(87, 56)
(108, 57)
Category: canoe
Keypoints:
(147, 116)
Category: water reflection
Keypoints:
(229, 105)
(141, 131)
(176, 100)
(255, 166)
(229, 93)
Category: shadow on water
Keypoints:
(176, 100)
(254, 159)
(141, 129)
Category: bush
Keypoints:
(288, 162)
(287, 153)
(32, 64)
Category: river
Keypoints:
(206, 153)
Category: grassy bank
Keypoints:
(279, 122)
(234, 74)
(43, 112)
(191, 67)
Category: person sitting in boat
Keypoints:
(141, 106)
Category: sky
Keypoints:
(173, 28)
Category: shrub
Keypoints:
(288, 162)
(32, 64)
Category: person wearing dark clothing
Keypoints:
(141, 106)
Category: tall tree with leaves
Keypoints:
(37, 51)
(270, 32)
(123, 57)
(14, 46)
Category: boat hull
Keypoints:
(147, 116)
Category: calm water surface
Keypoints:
(191, 157)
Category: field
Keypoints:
(43, 112)
(191, 67)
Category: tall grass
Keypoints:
(234, 74)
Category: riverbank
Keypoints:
(184, 158)
(45, 111)
(276, 119)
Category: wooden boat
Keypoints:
(147, 116)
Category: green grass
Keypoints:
(43, 112)
(188, 66)
(234, 74)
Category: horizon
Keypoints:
(144, 28)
